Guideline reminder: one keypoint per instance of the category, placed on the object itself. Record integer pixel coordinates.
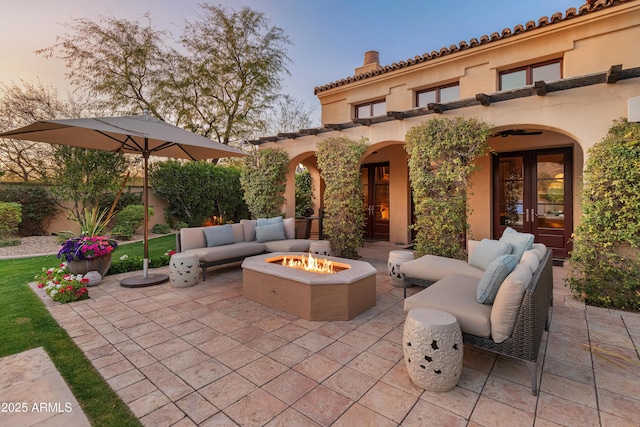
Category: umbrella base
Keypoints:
(141, 281)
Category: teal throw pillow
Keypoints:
(270, 232)
(267, 221)
(486, 251)
(520, 241)
(493, 277)
(219, 235)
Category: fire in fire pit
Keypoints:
(309, 263)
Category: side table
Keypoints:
(394, 264)
(433, 350)
(320, 247)
(183, 270)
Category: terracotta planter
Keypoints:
(100, 264)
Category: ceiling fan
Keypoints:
(517, 132)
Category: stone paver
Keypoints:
(206, 356)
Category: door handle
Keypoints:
(526, 215)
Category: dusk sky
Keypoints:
(329, 37)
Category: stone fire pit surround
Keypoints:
(311, 296)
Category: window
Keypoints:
(530, 74)
(371, 109)
(438, 95)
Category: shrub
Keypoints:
(161, 229)
(196, 191)
(605, 260)
(126, 198)
(264, 181)
(128, 221)
(5, 242)
(38, 206)
(339, 162)
(441, 160)
(126, 263)
(10, 218)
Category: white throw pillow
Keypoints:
(531, 260)
(506, 306)
(493, 276)
(487, 251)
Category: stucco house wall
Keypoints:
(589, 40)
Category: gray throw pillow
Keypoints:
(270, 232)
(493, 277)
(219, 235)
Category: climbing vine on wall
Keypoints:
(339, 162)
(605, 260)
(441, 154)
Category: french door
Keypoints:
(375, 182)
(533, 194)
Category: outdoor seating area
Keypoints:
(205, 355)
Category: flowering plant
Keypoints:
(85, 247)
(61, 285)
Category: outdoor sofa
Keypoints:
(224, 244)
(515, 311)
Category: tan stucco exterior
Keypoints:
(591, 42)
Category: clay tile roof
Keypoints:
(588, 7)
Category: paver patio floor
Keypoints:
(206, 356)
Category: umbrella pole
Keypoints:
(145, 190)
(146, 279)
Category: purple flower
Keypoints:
(81, 248)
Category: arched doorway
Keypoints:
(533, 190)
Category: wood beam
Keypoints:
(613, 73)
(364, 122)
(290, 135)
(398, 115)
(483, 99)
(540, 88)
(438, 108)
(311, 131)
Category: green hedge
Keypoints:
(10, 218)
(38, 206)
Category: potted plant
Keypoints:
(88, 253)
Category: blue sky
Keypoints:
(329, 36)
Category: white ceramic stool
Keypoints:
(432, 344)
(183, 270)
(394, 264)
(320, 247)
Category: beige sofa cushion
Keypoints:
(507, 304)
(249, 228)
(434, 268)
(456, 294)
(220, 253)
(531, 260)
(289, 228)
(289, 245)
(192, 237)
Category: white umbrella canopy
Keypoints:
(140, 134)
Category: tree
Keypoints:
(116, 62)
(21, 105)
(219, 86)
(339, 162)
(86, 176)
(288, 115)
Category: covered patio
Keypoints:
(206, 356)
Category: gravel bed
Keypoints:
(40, 245)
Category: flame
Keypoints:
(315, 265)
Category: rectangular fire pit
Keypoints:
(312, 296)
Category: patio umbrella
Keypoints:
(140, 134)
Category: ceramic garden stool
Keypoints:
(394, 264)
(183, 270)
(432, 344)
(320, 247)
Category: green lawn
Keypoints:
(25, 323)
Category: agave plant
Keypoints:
(93, 221)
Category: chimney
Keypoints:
(371, 62)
